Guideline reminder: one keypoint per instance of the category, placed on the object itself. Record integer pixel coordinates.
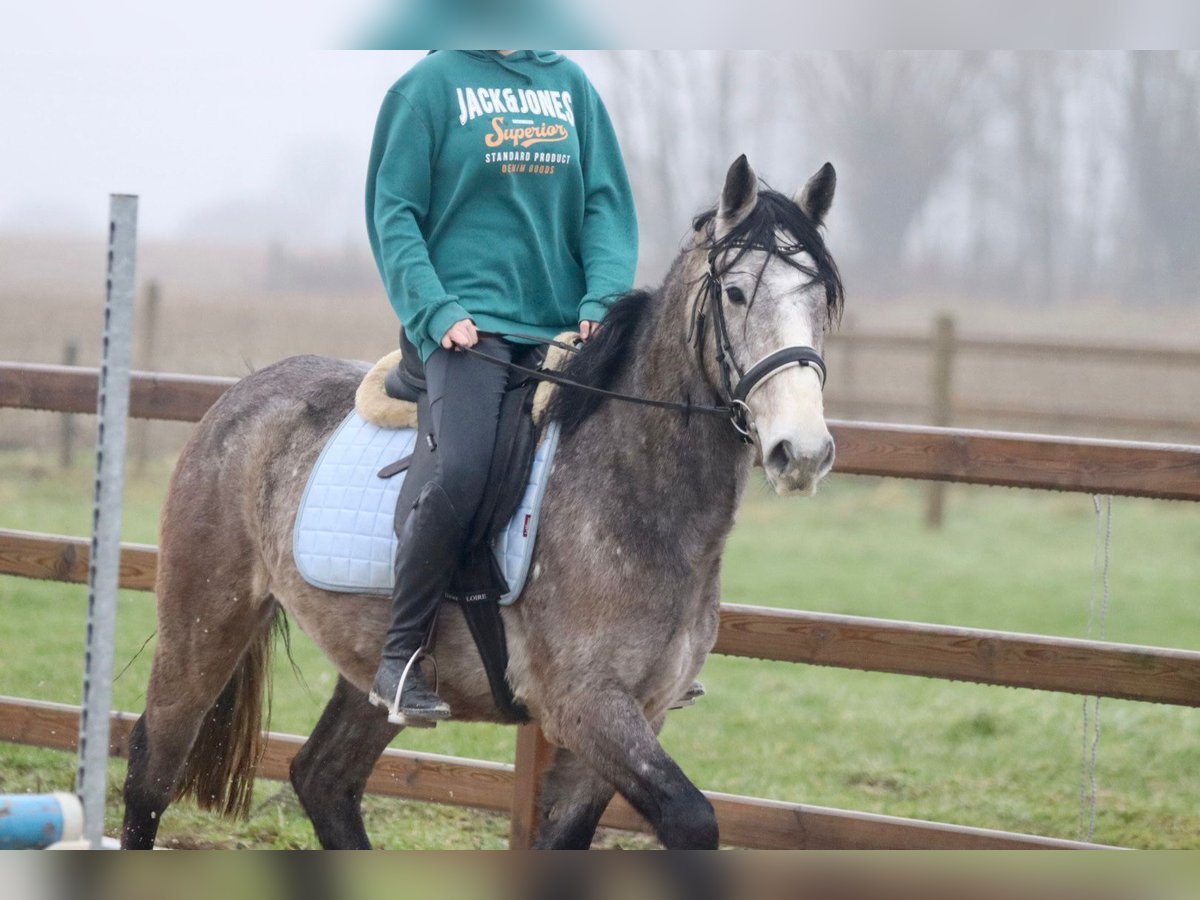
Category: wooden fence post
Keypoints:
(67, 434)
(941, 407)
(147, 362)
(534, 755)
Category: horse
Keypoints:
(621, 606)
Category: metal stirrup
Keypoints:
(394, 715)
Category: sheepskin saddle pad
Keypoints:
(344, 538)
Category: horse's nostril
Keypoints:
(780, 456)
(827, 459)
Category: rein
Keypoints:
(542, 375)
(737, 409)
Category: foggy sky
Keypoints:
(183, 130)
(1046, 165)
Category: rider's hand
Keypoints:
(460, 334)
(588, 328)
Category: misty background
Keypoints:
(1032, 178)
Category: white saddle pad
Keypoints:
(344, 538)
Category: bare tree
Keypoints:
(999, 173)
(684, 116)
(1162, 149)
(897, 120)
(1038, 90)
(646, 98)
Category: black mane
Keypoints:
(599, 361)
(776, 215)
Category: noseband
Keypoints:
(737, 394)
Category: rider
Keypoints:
(497, 205)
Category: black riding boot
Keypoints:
(430, 543)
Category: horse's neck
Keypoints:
(686, 469)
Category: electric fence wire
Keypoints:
(1090, 745)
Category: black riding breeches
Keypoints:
(458, 418)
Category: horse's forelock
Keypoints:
(774, 215)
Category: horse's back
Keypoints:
(259, 438)
(311, 392)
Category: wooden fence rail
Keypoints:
(1067, 665)
(864, 407)
(946, 351)
(1162, 471)
(997, 345)
(72, 389)
(744, 821)
(1126, 468)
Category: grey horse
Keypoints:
(620, 609)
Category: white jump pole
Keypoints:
(112, 408)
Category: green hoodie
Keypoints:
(497, 192)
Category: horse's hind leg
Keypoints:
(573, 798)
(200, 731)
(609, 730)
(331, 770)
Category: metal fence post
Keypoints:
(941, 407)
(112, 409)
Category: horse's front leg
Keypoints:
(606, 727)
(573, 798)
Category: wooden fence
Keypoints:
(948, 398)
(946, 348)
(989, 657)
(948, 401)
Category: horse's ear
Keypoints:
(739, 195)
(817, 196)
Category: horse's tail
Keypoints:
(224, 759)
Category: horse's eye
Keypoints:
(735, 295)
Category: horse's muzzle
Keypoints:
(792, 468)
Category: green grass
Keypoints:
(974, 755)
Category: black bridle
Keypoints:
(737, 392)
(712, 295)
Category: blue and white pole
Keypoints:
(36, 821)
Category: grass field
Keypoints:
(969, 754)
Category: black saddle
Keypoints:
(407, 380)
